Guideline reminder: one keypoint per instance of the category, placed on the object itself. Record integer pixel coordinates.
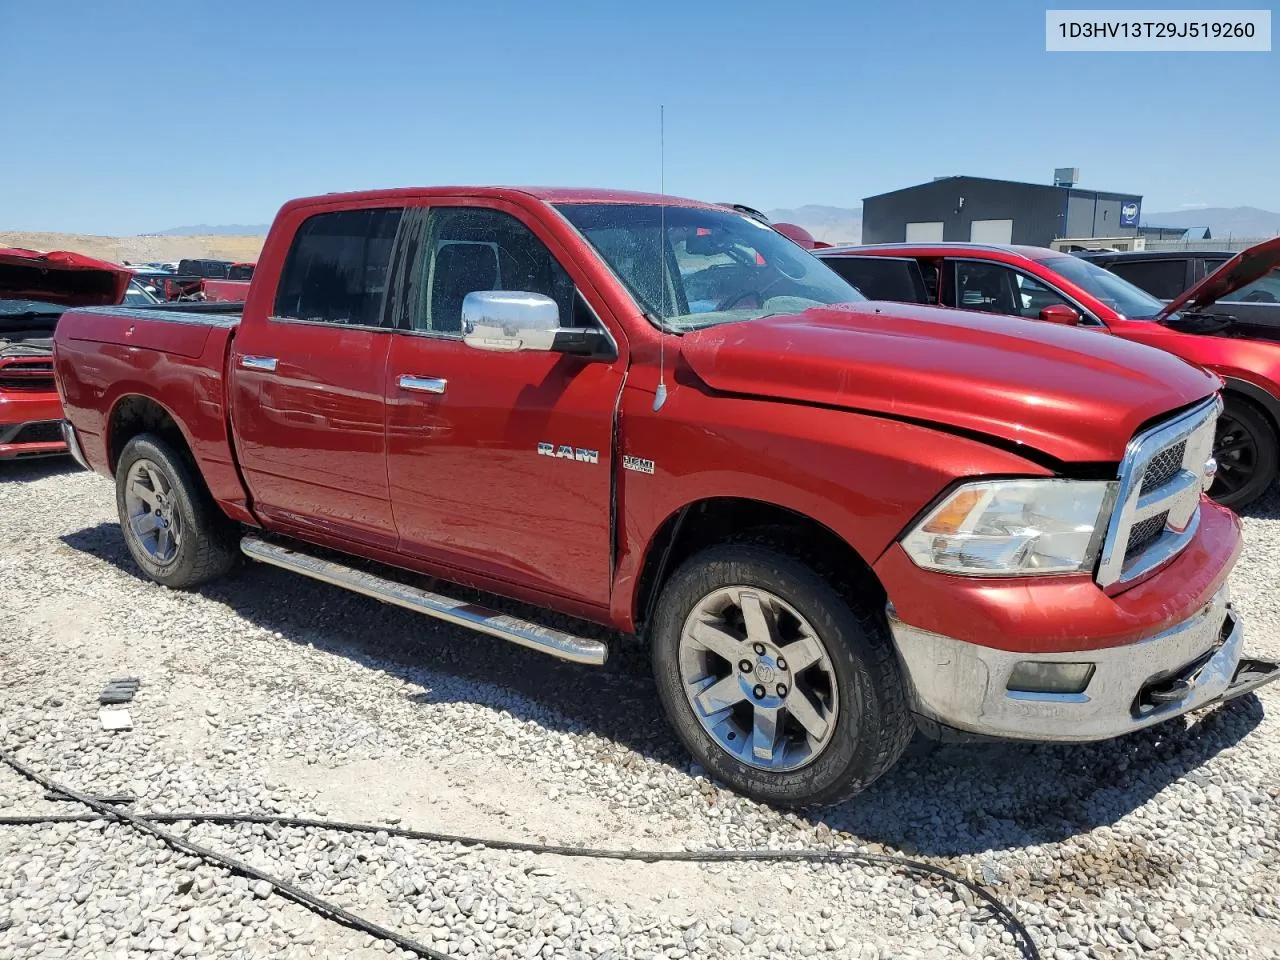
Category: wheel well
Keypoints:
(134, 415)
(716, 520)
(1268, 412)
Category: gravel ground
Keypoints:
(270, 693)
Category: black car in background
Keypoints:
(1166, 273)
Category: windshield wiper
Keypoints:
(1196, 321)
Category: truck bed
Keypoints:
(113, 362)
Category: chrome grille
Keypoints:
(1157, 506)
(1144, 532)
(1161, 470)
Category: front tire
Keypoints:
(172, 527)
(1245, 447)
(781, 684)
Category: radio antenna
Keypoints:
(660, 396)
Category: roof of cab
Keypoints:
(545, 194)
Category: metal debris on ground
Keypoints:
(119, 691)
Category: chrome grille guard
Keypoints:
(1179, 494)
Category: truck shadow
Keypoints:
(964, 799)
(1266, 507)
(36, 468)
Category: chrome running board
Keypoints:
(566, 646)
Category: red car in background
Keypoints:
(35, 290)
(1043, 284)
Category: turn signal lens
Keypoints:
(1004, 528)
(953, 513)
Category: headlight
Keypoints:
(1004, 528)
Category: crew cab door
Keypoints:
(500, 463)
(308, 382)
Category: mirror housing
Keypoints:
(1060, 313)
(507, 320)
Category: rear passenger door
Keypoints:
(307, 382)
(501, 464)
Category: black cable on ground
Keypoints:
(298, 895)
(1022, 938)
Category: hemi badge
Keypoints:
(638, 464)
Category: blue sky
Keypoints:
(126, 117)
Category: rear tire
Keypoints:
(172, 527)
(1247, 453)
(716, 614)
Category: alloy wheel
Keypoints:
(759, 678)
(154, 518)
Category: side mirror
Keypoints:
(1060, 313)
(509, 320)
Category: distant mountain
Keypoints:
(832, 224)
(1223, 222)
(220, 230)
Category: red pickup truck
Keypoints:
(833, 521)
(35, 289)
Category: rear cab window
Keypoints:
(337, 268)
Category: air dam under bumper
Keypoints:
(1193, 664)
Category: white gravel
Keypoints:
(269, 692)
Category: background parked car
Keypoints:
(1167, 273)
(35, 290)
(1038, 283)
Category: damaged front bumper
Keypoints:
(967, 687)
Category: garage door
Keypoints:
(991, 231)
(924, 231)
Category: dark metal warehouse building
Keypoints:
(998, 211)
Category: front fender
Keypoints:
(861, 476)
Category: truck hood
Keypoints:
(1074, 394)
(69, 279)
(1240, 271)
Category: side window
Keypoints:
(989, 287)
(995, 288)
(1265, 289)
(470, 249)
(882, 278)
(337, 268)
(1160, 278)
(1034, 295)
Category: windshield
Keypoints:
(1116, 292)
(719, 266)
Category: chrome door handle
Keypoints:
(267, 364)
(422, 384)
